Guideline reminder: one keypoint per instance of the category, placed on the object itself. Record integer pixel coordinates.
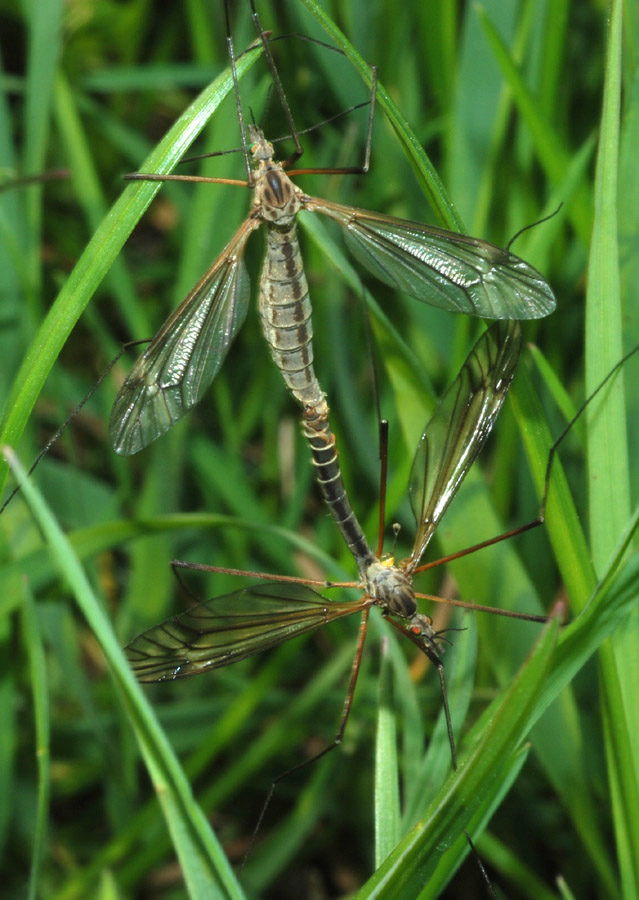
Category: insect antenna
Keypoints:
(533, 225)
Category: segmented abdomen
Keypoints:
(329, 477)
(285, 309)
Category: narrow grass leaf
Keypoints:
(35, 652)
(100, 253)
(387, 817)
(550, 150)
(424, 169)
(405, 872)
(608, 466)
(205, 868)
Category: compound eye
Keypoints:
(421, 625)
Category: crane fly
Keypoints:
(448, 270)
(232, 627)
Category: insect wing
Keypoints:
(449, 270)
(223, 630)
(459, 428)
(186, 354)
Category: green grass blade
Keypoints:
(387, 806)
(406, 871)
(100, 254)
(205, 868)
(609, 478)
(35, 651)
(429, 179)
(551, 152)
(45, 40)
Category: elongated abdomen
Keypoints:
(285, 309)
(318, 433)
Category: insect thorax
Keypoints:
(277, 199)
(391, 588)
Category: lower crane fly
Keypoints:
(232, 627)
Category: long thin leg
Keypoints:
(333, 585)
(351, 170)
(541, 517)
(436, 661)
(383, 476)
(278, 87)
(348, 702)
(284, 137)
(297, 153)
(265, 41)
(236, 88)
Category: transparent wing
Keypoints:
(232, 627)
(186, 354)
(445, 269)
(459, 427)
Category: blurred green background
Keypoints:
(506, 98)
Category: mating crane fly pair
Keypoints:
(445, 269)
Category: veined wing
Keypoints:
(449, 270)
(223, 630)
(186, 354)
(459, 427)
